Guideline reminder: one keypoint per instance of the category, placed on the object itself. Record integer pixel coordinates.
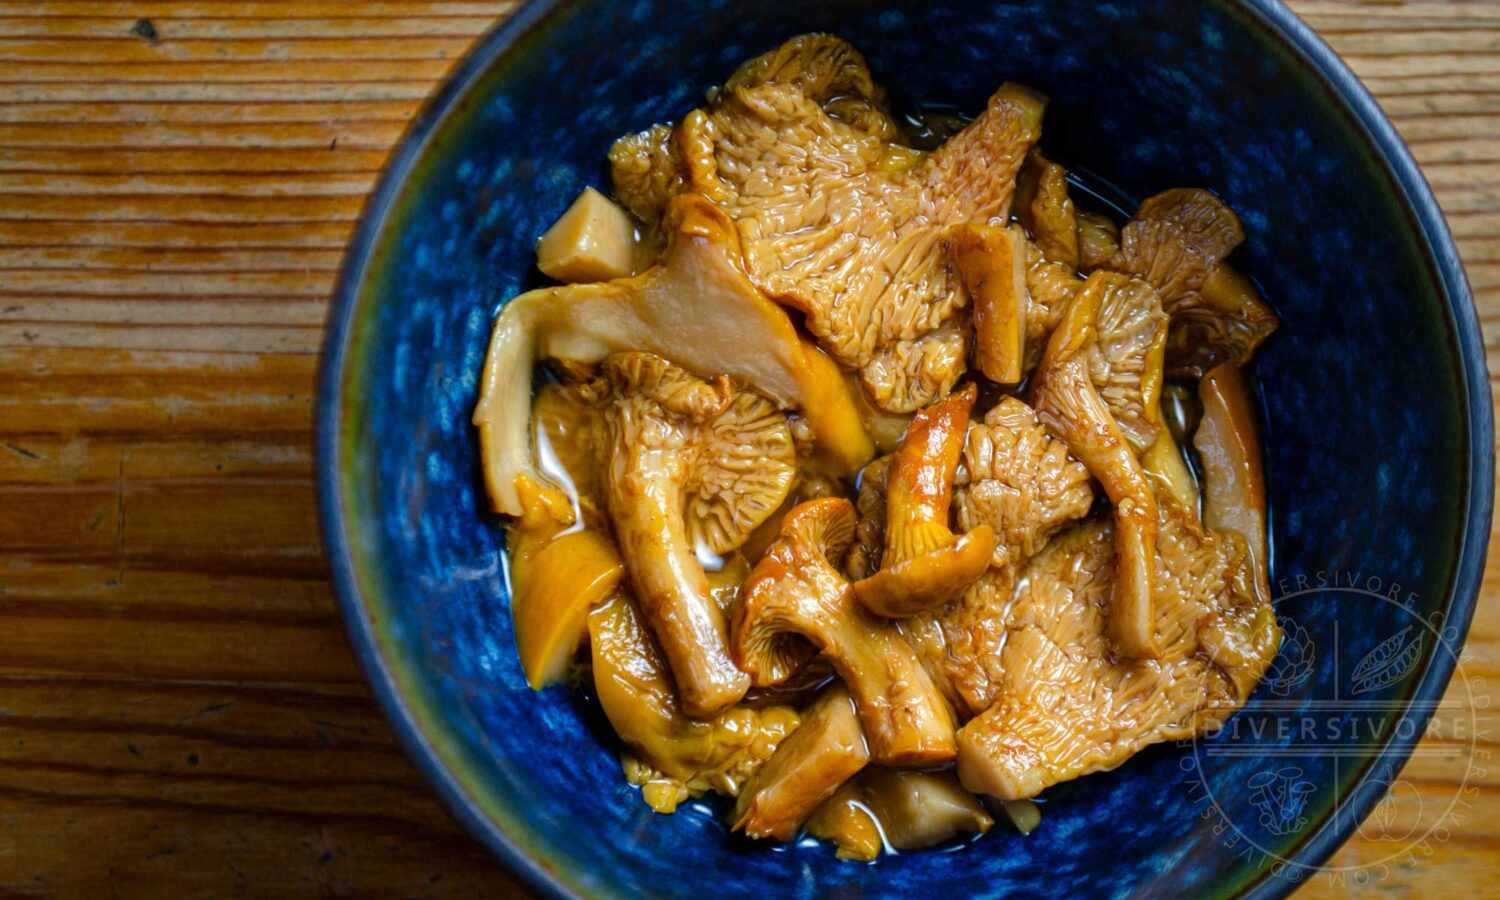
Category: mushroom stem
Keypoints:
(796, 590)
(1070, 407)
(925, 565)
(905, 719)
(1234, 496)
(645, 504)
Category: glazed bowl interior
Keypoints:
(1373, 398)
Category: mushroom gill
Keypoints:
(691, 464)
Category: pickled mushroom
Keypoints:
(1234, 483)
(683, 756)
(594, 240)
(900, 810)
(796, 604)
(826, 750)
(1038, 579)
(695, 308)
(1067, 705)
(843, 224)
(924, 564)
(992, 261)
(1177, 241)
(691, 464)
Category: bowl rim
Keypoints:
(1280, 23)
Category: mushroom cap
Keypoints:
(929, 580)
(1176, 239)
(1125, 362)
(872, 278)
(795, 590)
(1020, 480)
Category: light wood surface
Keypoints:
(179, 712)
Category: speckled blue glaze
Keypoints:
(1374, 393)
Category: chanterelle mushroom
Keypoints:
(1046, 210)
(924, 564)
(1020, 480)
(1125, 361)
(899, 810)
(1070, 406)
(696, 308)
(672, 756)
(1049, 287)
(692, 464)
(1067, 706)
(992, 261)
(841, 222)
(797, 603)
(1177, 241)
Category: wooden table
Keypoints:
(179, 712)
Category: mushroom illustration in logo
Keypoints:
(1280, 797)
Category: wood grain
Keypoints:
(179, 712)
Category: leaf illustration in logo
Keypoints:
(1388, 663)
(1294, 664)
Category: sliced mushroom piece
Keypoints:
(924, 564)
(826, 750)
(594, 240)
(1045, 209)
(1233, 479)
(992, 261)
(1069, 405)
(796, 604)
(682, 755)
(901, 810)
(692, 464)
(696, 308)
(560, 568)
(1177, 241)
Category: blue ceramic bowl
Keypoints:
(1374, 394)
